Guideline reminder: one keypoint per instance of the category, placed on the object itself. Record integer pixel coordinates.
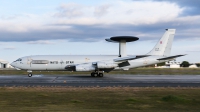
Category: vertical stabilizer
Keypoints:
(163, 47)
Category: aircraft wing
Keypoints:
(130, 58)
(171, 57)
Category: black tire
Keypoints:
(95, 74)
(92, 74)
(30, 75)
(100, 74)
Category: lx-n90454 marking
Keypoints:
(98, 64)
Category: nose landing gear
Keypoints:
(29, 73)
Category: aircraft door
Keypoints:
(29, 62)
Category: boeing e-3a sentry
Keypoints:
(98, 64)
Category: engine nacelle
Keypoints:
(84, 67)
(102, 65)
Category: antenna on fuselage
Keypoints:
(122, 40)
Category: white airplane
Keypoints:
(98, 64)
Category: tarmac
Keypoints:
(106, 81)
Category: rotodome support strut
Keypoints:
(122, 40)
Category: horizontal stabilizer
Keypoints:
(130, 58)
(171, 57)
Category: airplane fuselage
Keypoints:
(59, 62)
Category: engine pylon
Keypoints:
(122, 40)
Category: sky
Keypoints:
(80, 27)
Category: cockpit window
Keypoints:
(19, 59)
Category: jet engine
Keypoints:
(84, 67)
(103, 65)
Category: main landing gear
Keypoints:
(97, 74)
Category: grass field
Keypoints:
(137, 71)
(117, 99)
(95, 99)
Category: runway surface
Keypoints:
(106, 81)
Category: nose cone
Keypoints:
(12, 64)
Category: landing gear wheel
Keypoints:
(92, 74)
(100, 74)
(30, 74)
(95, 74)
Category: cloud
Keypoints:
(191, 6)
(40, 42)
(101, 10)
(190, 48)
(98, 32)
(77, 22)
(120, 12)
(69, 10)
(9, 48)
(12, 17)
(9, 17)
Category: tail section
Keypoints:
(163, 47)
